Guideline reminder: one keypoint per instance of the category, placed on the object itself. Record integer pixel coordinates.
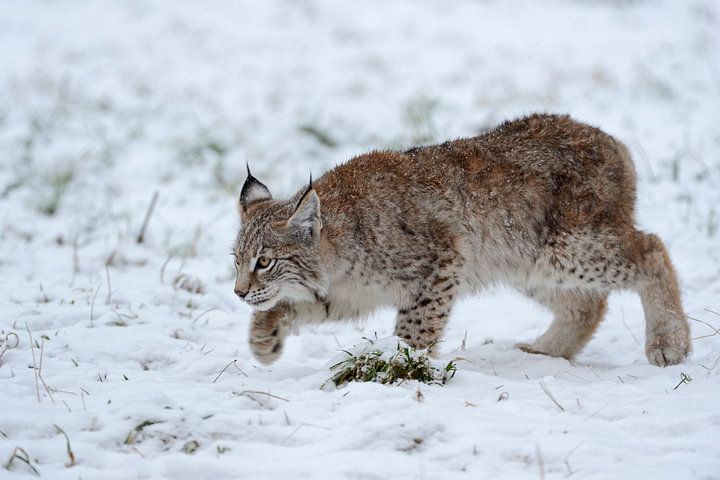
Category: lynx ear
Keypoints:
(305, 221)
(252, 191)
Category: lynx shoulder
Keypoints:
(544, 204)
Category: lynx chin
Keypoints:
(543, 204)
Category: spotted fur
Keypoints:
(544, 204)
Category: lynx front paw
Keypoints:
(668, 348)
(267, 333)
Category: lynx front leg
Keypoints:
(269, 329)
(422, 323)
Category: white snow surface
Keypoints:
(104, 103)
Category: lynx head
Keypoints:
(277, 251)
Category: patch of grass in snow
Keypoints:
(376, 365)
(419, 116)
(321, 136)
(204, 149)
(132, 437)
(713, 222)
(190, 447)
(189, 283)
(57, 183)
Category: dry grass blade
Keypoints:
(148, 214)
(248, 393)
(108, 298)
(35, 370)
(295, 430)
(635, 339)
(541, 462)
(70, 453)
(163, 267)
(20, 454)
(550, 395)
(92, 305)
(684, 378)
(203, 314)
(39, 372)
(76, 256)
(239, 369)
(716, 331)
(567, 459)
(10, 341)
(225, 368)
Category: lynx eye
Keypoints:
(262, 262)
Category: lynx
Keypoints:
(543, 204)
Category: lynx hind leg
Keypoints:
(577, 315)
(667, 340)
(604, 261)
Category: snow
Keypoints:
(102, 104)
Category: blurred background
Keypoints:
(103, 103)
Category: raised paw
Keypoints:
(267, 333)
(668, 348)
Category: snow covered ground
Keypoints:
(104, 103)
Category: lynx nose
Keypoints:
(242, 287)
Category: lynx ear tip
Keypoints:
(253, 191)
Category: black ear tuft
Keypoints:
(253, 191)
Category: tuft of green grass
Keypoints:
(420, 118)
(190, 447)
(203, 149)
(376, 365)
(135, 432)
(58, 183)
(321, 136)
(712, 222)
